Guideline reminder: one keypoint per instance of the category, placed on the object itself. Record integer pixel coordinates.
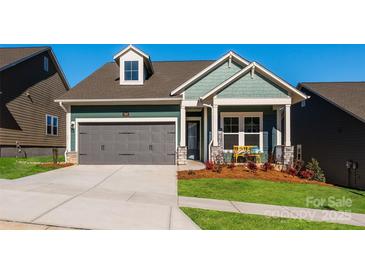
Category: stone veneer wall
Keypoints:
(182, 155)
(71, 157)
(216, 154)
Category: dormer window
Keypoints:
(135, 67)
(131, 70)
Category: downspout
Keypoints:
(65, 110)
(211, 141)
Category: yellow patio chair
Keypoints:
(241, 151)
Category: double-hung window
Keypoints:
(131, 70)
(251, 131)
(51, 125)
(242, 129)
(231, 132)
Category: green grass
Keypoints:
(218, 220)
(274, 193)
(13, 168)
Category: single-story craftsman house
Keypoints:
(31, 123)
(135, 111)
(330, 126)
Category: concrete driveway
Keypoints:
(96, 197)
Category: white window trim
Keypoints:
(131, 70)
(45, 63)
(241, 130)
(52, 125)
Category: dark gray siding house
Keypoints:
(30, 80)
(330, 126)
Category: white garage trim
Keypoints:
(122, 120)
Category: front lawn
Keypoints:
(13, 168)
(275, 193)
(214, 220)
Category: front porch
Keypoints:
(210, 132)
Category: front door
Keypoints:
(193, 140)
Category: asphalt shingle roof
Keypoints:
(9, 56)
(104, 83)
(350, 96)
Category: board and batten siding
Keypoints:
(253, 87)
(269, 124)
(172, 111)
(331, 136)
(27, 95)
(211, 80)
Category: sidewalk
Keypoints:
(275, 211)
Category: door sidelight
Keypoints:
(102, 147)
(150, 147)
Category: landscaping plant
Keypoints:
(306, 174)
(209, 165)
(252, 166)
(267, 166)
(318, 173)
(291, 171)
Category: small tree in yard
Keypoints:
(318, 173)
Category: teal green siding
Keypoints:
(213, 79)
(256, 87)
(269, 124)
(116, 112)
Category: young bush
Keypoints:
(267, 166)
(252, 166)
(318, 173)
(209, 165)
(306, 174)
(292, 171)
(217, 168)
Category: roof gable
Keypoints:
(146, 57)
(253, 86)
(10, 57)
(347, 96)
(255, 68)
(229, 57)
(211, 80)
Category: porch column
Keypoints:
(205, 134)
(287, 126)
(215, 125)
(278, 126)
(182, 126)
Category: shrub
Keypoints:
(292, 171)
(318, 173)
(231, 165)
(217, 168)
(306, 174)
(209, 165)
(267, 166)
(252, 166)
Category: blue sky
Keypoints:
(294, 63)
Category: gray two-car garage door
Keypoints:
(128, 143)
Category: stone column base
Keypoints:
(182, 155)
(216, 154)
(71, 157)
(288, 155)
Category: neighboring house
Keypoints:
(31, 123)
(330, 126)
(135, 111)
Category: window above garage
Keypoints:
(135, 66)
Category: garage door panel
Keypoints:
(139, 143)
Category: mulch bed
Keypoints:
(241, 172)
(53, 165)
